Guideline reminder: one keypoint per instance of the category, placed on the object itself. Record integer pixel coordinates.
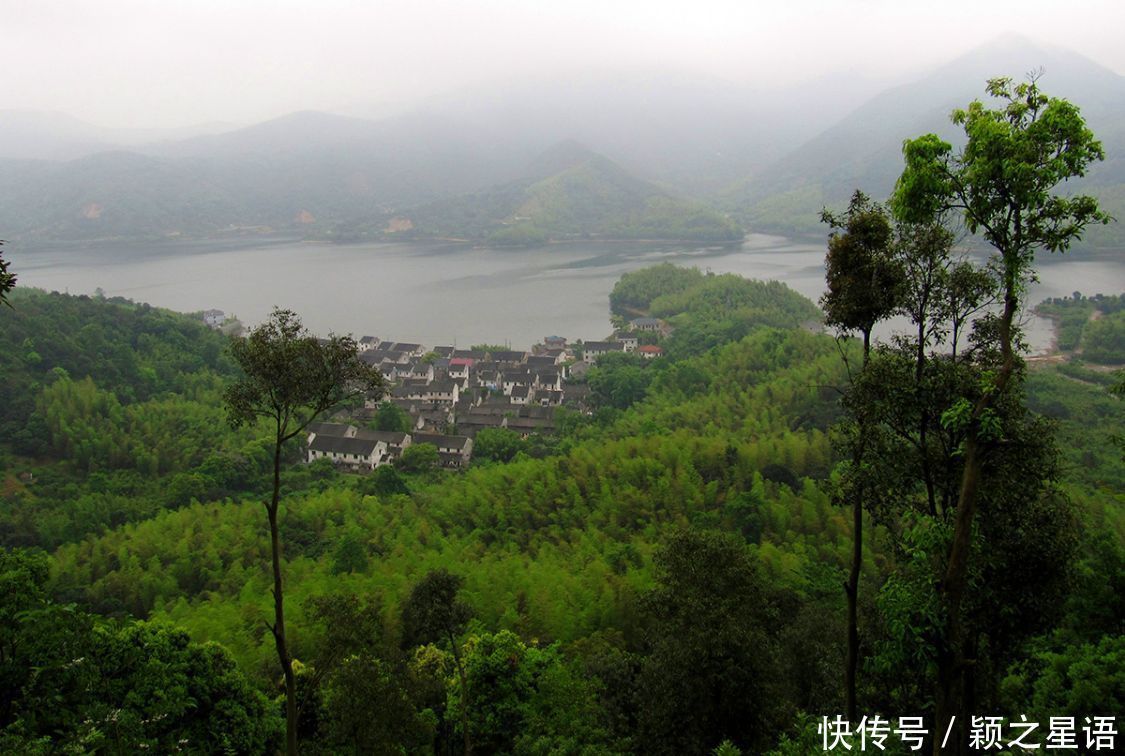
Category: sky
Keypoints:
(173, 63)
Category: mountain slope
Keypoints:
(864, 149)
(571, 192)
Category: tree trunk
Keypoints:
(851, 588)
(279, 611)
(951, 672)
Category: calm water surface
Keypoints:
(446, 293)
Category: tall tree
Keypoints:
(289, 379)
(434, 612)
(712, 671)
(1002, 182)
(863, 279)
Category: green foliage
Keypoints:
(489, 348)
(290, 377)
(7, 278)
(619, 380)
(1103, 340)
(711, 671)
(518, 235)
(350, 554)
(367, 709)
(863, 277)
(1080, 677)
(526, 699)
(637, 289)
(1003, 178)
(1072, 315)
(1087, 417)
(134, 435)
(384, 481)
(418, 458)
(496, 445)
(434, 613)
(708, 310)
(137, 351)
(391, 417)
(87, 685)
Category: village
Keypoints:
(451, 394)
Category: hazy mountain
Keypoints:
(655, 137)
(43, 135)
(38, 135)
(863, 150)
(694, 133)
(306, 172)
(570, 192)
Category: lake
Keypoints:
(446, 293)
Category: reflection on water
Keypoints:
(440, 293)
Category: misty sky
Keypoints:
(158, 63)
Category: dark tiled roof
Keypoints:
(391, 438)
(440, 441)
(340, 430)
(337, 445)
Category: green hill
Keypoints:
(573, 193)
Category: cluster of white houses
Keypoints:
(451, 394)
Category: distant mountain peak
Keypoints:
(561, 157)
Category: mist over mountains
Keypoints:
(667, 156)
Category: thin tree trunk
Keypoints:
(851, 588)
(279, 610)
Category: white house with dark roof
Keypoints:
(339, 430)
(460, 447)
(592, 350)
(413, 350)
(395, 442)
(443, 392)
(417, 370)
(359, 453)
(547, 379)
(646, 324)
(628, 338)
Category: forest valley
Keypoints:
(765, 527)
